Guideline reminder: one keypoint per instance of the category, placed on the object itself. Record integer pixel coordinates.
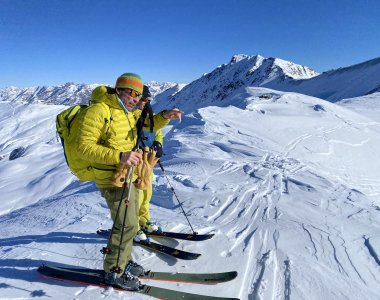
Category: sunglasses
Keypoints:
(131, 93)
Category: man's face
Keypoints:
(142, 103)
(130, 98)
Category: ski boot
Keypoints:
(152, 227)
(126, 281)
(141, 237)
(135, 269)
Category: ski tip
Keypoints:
(203, 237)
(191, 256)
(210, 235)
(234, 274)
(224, 276)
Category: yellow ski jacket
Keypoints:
(104, 155)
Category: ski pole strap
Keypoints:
(150, 112)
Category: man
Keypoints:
(153, 140)
(106, 156)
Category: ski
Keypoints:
(207, 278)
(200, 278)
(176, 253)
(173, 252)
(180, 236)
(168, 234)
(96, 278)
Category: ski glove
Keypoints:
(158, 148)
(118, 178)
(145, 169)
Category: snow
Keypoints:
(368, 105)
(334, 85)
(289, 183)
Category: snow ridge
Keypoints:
(218, 86)
(221, 86)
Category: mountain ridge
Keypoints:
(240, 72)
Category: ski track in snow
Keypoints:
(257, 206)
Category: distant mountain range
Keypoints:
(67, 94)
(221, 85)
(218, 86)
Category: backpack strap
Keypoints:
(72, 113)
(146, 112)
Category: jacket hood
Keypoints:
(106, 95)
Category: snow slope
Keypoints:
(289, 183)
(368, 105)
(353, 81)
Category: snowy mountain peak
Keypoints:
(275, 67)
(293, 70)
(242, 71)
(157, 88)
(238, 57)
(353, 81)
(67, 94)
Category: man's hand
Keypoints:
(131, 158)
(172, 114)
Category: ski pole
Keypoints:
(175, 195)
(107, 250)
(126, 201)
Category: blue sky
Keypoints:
(51, 42)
